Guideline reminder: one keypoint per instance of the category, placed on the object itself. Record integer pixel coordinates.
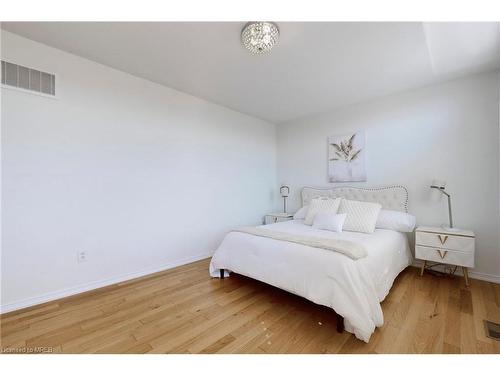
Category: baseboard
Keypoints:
(472, 274)
(485, 277)
(51, 296)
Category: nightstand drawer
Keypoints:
(458, 258)
(445, 241)
(271, 219)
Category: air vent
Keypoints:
(492, 330)
(14, 75)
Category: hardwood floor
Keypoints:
(183, 310)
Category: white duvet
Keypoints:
(353, 288)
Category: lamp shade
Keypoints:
(440, 184)
(284, 191)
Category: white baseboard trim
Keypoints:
(51, 296)
(485, 277)
(472, 274)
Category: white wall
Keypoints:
(139, 176)
(448, 131)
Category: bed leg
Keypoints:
(340, 323)
(222, 273)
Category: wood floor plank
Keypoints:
(466, 301)
(276, 334)
(224, 327)
(452, 331)
(253, 328)
(327, 340)
(218, 345)
(479, 311)
(167, 343)
(468, 342)
(183, 310)
(435, 334)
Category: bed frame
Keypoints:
(393, 197)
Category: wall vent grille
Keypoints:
(28, 79)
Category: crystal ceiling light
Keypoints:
(260, 37)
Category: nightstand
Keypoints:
(438, 245)
(277, 217)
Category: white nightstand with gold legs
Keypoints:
(435, 244)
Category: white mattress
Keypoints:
(353, 288)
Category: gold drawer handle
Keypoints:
(442, 239)
(442, 254)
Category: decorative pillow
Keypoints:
(361, 216)
(319, 205)
(301, 213)
(329, 221)
(395, 220)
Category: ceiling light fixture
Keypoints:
(260, 37)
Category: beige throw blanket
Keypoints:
(351, 249)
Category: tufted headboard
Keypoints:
(390, 197)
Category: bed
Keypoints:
(352, 288)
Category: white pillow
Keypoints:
(319, 205)
(329, 221)
(361, 216)
(301, 213)
(395, 220)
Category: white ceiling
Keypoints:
(314, 68)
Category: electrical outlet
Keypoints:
(81, 256)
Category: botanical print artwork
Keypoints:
(346, 157)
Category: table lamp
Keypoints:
(284, 191)
(440, 185)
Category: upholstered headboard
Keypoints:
(390, 197)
